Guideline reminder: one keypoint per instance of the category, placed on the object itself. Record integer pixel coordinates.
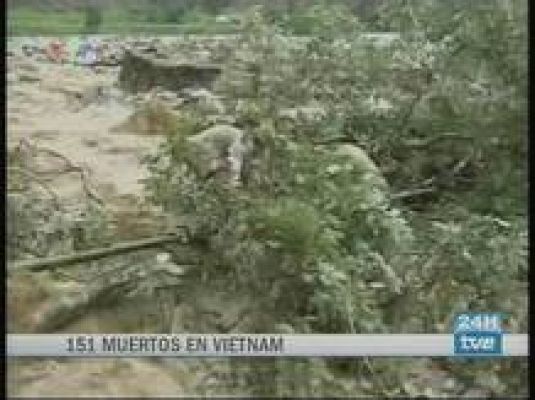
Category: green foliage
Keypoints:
(319, 243)
(288, 226)
(305, 217)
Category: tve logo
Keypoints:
(478, 334)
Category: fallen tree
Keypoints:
(93, 254)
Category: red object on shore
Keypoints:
(56, 51)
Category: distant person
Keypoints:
(83, 48)
(56, 51)
(88, 52)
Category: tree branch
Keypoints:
(70, 167)
(94, 254)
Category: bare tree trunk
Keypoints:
(91, 255)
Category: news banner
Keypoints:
(474, 335)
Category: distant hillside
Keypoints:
(209, 5)
(67, 5)
(58, 17)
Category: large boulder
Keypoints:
(142, 72)
(219, 151)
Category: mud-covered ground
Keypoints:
(57, 107)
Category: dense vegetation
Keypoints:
(320, 242)
(442, 112)
(452, 122)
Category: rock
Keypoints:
(141, 73)
(219, 151)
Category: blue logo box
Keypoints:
(478, 343)
(478, 334)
